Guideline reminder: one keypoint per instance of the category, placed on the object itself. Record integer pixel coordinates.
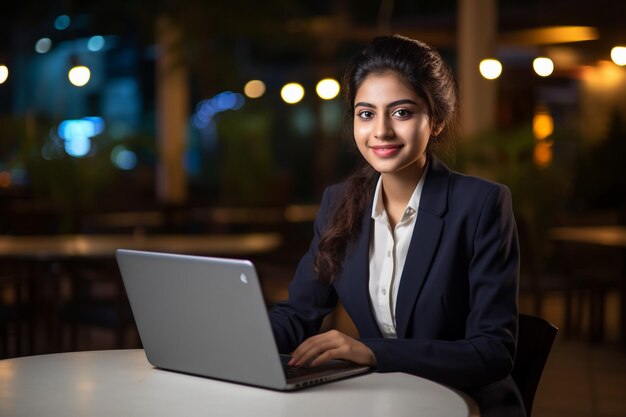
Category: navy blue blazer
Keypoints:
(456, 312)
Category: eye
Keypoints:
(402, 113)
(365, 114)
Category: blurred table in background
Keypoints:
(614, 236)
(603, 236)
(81, 246)
(40, 267)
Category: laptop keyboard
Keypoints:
(297, 371)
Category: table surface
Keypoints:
(123, 383)
(105, 245)
(598, 235)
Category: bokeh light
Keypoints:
(78, 147)
(327, 88)
(79, 75)
(618, 55)
(206, 109)
(4, 73)
(543, 66)
(62, 22)
(43, 45)
(490, 68)
(292, 93)
(543, 125)
(77, 134)
(123, 158)
(95, 43)
(542, 154)
(254, 88)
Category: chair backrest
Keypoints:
(534, 341)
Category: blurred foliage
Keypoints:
(60, 179)
(539, 193)
(246, 161)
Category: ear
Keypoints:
(437, 128)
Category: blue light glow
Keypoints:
(95, 43)
(77, 134)
(206, 109)
(78, 146)
(225, 100)
(62, 22)
(123, 158)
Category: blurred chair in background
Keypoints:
(593, 270)
(97, 300)
(14, 310)
(538, 280)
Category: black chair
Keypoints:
(98, 300)
(534, 341)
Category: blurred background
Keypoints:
(213, 127)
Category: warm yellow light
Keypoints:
(327, 88)
(254, 88)
(4, 73)
(79, 75)
(550, 35)
(618, 55)
(543, 66)
(542, 154)
(292, 93)
(490, 68)
(543, 125)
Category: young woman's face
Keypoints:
(391, 124)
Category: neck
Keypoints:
(397, 190)
(399, 186)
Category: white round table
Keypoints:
(123, 383)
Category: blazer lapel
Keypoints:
(426, 236)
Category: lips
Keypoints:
(385, 151)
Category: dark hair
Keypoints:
(432, 80)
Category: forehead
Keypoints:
(385, 87)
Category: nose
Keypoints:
(383, 129)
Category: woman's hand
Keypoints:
(331, 345)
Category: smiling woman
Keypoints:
(424, 260)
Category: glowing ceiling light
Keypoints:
(543, 66)
(292, 93)
(79, 75)
(618, 55)
(327, 88)
(490, 68)
(4, 73)
(254, 88)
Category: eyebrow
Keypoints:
(392, 104)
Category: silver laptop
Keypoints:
(207, 316)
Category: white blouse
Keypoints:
(388, 250)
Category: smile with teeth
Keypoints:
(385, 151)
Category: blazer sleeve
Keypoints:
(486, 353)
(310, 300)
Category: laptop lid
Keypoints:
(207, 316)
